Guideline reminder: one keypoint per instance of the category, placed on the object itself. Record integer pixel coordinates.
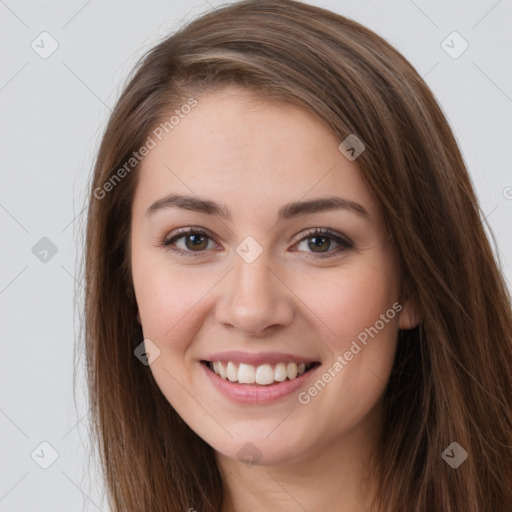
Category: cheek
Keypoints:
(356, 310)
(358, 316)
(346, 301)
(171, 299)
(169, 305)
(164, 300)
(163, 295)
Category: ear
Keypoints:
(410, 315)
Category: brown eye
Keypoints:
(320, 241)
(191, 240)
(196, 242)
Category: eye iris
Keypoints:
(196, 241)
(317, 244)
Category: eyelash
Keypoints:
(345, 243)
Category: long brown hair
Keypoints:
(451, 381)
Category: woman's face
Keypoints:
(254, 288)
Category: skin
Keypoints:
(255, 157)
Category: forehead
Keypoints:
(250, 154)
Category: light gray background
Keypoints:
(53, 112)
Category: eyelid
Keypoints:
(344, 241)
(187, 231)
(182, 233)
(328, 232)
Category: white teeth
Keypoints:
(222, 370)
(232, 372)
(291, 370)
(263, 374)
(280, 372)
(246, 374)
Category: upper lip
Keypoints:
(258, 358)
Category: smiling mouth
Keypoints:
(262, 375)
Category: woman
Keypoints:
(291, 300)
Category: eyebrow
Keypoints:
(288, 211)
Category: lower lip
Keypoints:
(255, 394)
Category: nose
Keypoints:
(254, 299)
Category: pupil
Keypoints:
(318, 244)
(196, 240)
